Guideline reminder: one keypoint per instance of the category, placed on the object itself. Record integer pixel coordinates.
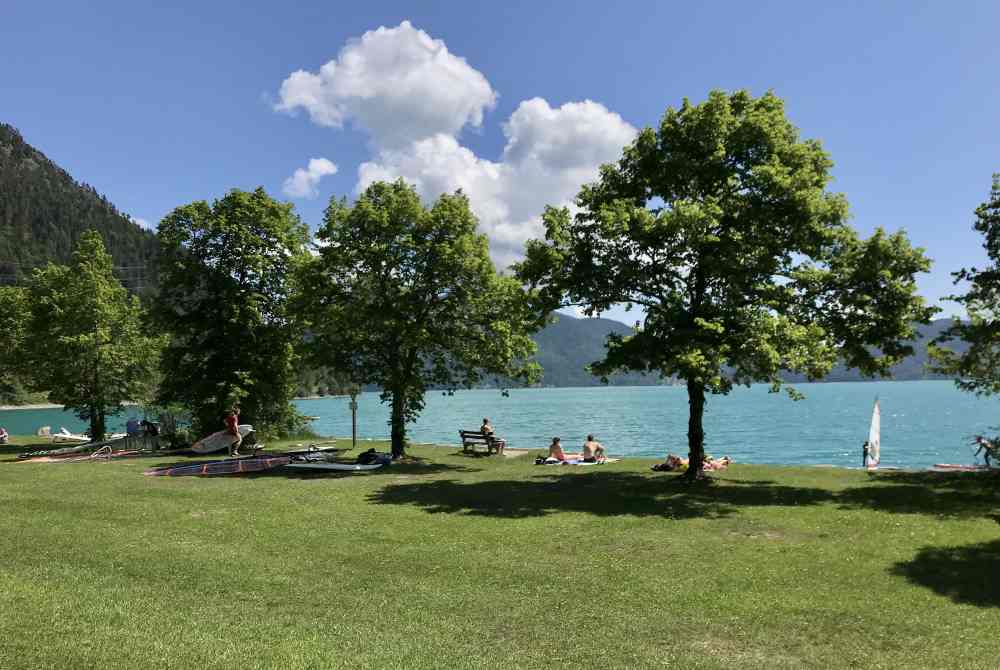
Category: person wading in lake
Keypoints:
(233, 428)
(593, 451)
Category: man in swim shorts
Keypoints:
(233, 428)
(593, 451)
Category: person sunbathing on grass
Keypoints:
(555, 450)
(593, 451)
(716, 463)
(672, 463)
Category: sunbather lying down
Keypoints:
(677, 463)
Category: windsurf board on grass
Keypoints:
(229, 466)
(219, 441)
(347, 467)
(65, 436)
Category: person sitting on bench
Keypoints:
(487, 429)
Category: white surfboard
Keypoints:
(349, 467)
(219, 441)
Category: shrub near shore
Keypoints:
(453, 561)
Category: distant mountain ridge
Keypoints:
(43, 212)
(568, 346)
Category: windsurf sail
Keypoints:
(874, 438)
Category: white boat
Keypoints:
(873, 454)
(64, 436)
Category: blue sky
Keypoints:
(160, 104)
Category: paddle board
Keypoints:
(349, 467)
(218, 441)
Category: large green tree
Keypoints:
(226, 278)
(977, 369)
(13, 320)
(85, 342)
(405, 297)
(718, 224)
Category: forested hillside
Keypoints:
(43, 212)
(566, 347)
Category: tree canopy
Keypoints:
(719, 226)
(13, 320)
(226, 272)
(977, 369)
(84, 339)
(406, 297)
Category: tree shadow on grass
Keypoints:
(940, 494)
(598, 493)
(967, 574)
(410, 467)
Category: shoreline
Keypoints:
(38, 405)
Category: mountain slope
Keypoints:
(43, 211)
(566, 347)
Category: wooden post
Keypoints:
(354, 418)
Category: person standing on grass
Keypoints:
(233, 428)
(593, 451)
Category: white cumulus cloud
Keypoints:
(550, 153)
(414, 97)
(398, 83)
(144, 223)
(303, 182)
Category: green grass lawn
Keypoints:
(454, 561)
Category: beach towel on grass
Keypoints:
(572, 461)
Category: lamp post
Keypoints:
(354, 417)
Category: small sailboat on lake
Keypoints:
(872, 453)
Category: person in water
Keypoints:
(593, 451)
(555, 450)
(4, 437)
(233, 428)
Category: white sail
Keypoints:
(874, 437)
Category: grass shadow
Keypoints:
(966, 575)
(597, 493)
(940, 494)
(409, 466)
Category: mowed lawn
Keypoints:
(453, 561)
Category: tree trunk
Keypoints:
(96, 424)
(398, 423)
(696, 433)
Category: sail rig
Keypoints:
(874, 438)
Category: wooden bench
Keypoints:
(472, 438)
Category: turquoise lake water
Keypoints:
(923, 422)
